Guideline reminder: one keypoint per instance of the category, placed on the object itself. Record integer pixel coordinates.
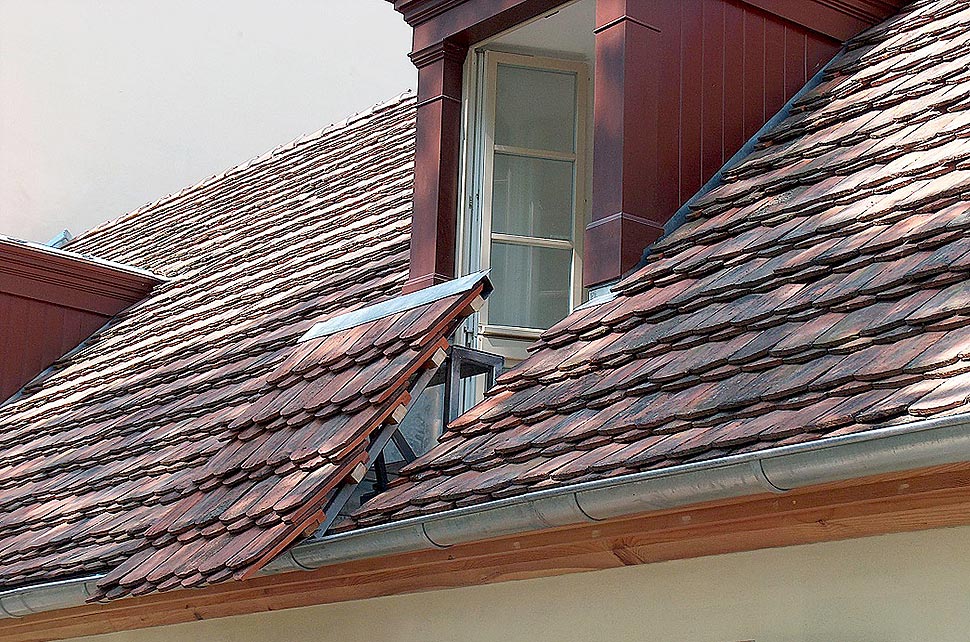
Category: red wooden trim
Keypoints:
(627, 214)
(839, 19)
(676, 94)
(466, 22)
(50, 302)
(63, 280)
(437, 159)
(443, 31)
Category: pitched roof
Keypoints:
(823, 289)
(195, 436)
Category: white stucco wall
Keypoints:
(895, 588)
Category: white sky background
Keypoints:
(109, 104)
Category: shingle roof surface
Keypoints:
(824, 289)
(195, 436)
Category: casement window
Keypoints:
(527, 193)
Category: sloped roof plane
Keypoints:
(822, 290)
(195, 424)
(818, 296)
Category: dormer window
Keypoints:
(526, 179)
(528, 202)
(558, 139)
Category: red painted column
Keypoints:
(436, 165)
(626, 214)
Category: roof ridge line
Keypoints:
(255, 160)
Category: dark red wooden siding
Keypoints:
(33, 334)
(51, 301)
(727, 69)
(720, 69)
(679, 88)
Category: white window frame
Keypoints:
(480, 152)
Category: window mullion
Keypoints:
(533, 241)
(542, 154)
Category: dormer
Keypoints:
(51, 300)
(555, 140)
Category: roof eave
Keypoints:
(119, 270)
(912, 446)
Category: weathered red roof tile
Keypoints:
(197, 435)
(823, 289)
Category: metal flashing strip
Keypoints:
(60, 240)
(601, 295)
(397, 304)
(84, 258)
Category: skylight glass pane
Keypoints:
(532, 197)
(534, 290)
(535, 109)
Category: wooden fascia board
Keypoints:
(838, 19)
(65, 281)
(466, 22)
(417, 11)
(930, 498)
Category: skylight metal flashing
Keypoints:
(397, 304)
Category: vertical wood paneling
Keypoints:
(753, 73)
(734, 87)
(794, 60)
(670, 117)
(712, 71)
(690, 93)
(817, 52)
(738, 66)
(33, 334)
(775, 93)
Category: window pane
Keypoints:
(532, 197)
(535, 109)
(531, 285)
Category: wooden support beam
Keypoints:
(930, 498)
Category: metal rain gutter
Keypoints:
(929, 442)
(891, 449)
(27, 600)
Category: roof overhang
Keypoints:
(894, 479)
(840, 19)
(70, 279)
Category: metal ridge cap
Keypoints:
(740, 462)
(85, 258)
(396, 304)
